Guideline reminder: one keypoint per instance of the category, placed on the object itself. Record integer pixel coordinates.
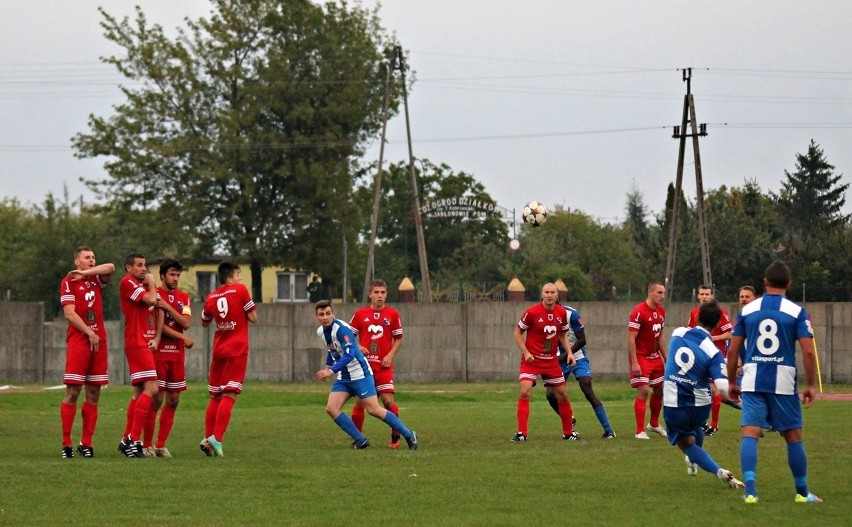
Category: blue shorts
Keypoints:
(580, 369)
(781, 412)
(362, 388)
(685, 421)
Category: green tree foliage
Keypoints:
(472, 247)
(593, 259)
(810, 207)
(687, 269)
(812, 198)
(237, 135)
(646, 237)
(742, 234)
(37, 247)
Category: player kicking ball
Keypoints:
(691, 362)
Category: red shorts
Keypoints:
(652, 371)
(171, 375)
(84, 366)
(550, 372)
(227, 374)
(141, 364)
(383, 378)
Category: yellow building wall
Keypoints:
(189, 278)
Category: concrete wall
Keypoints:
(443, 342)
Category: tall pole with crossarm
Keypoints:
(370, 272)
(426, 283)
(680, 133)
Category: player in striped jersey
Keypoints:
(770, 327)
(379, 330)
(354, 378)
(581, 370)
(693, 360)
(720, 336)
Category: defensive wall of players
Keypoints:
(443, 342)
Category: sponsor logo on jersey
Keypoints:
(376, 331)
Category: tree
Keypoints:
(593, 260)
(239, 132)
(742, 234)
(810, 205)
(460, 247)
(37, 247)
(811, 199)
(646, 239)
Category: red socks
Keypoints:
(67, 412)
(90, 420)
(223, 417)
(358, 417)
(140, 413)
(656, 408)
(566, 414)
(167, 419)
(210, 416)
(639, 407)
(715, 406)
(148, 429)
(131, 411)
(523, 415)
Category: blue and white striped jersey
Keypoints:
(693, 361)
(344, 357)
(771, 326)
(576, 323)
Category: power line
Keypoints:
(459, 139)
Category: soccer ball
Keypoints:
(534, 213)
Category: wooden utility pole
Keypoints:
(398, 62)
(680, 133)
(425, 281)
(370, 273)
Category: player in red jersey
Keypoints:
(86, 354)
(720, 336)
(544, 324)
(647, 351)
(231, 308)
(170, 357)
(379, 331)
(142, 326)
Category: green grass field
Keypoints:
(286, 463)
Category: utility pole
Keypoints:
(426, 283)
(370, 273)
(397, 63)
(680, 133)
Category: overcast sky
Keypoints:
(568, 103)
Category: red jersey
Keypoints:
(543, 330)
(229, 305)
(87, 297)
(173, 349)
(723, 326)
(648, 325)
(376, 331)
(140, 319)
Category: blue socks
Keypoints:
(393, 421)
(748, 462)
(600, 413)
(346, 424)
(700, 457)
(798, 462)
